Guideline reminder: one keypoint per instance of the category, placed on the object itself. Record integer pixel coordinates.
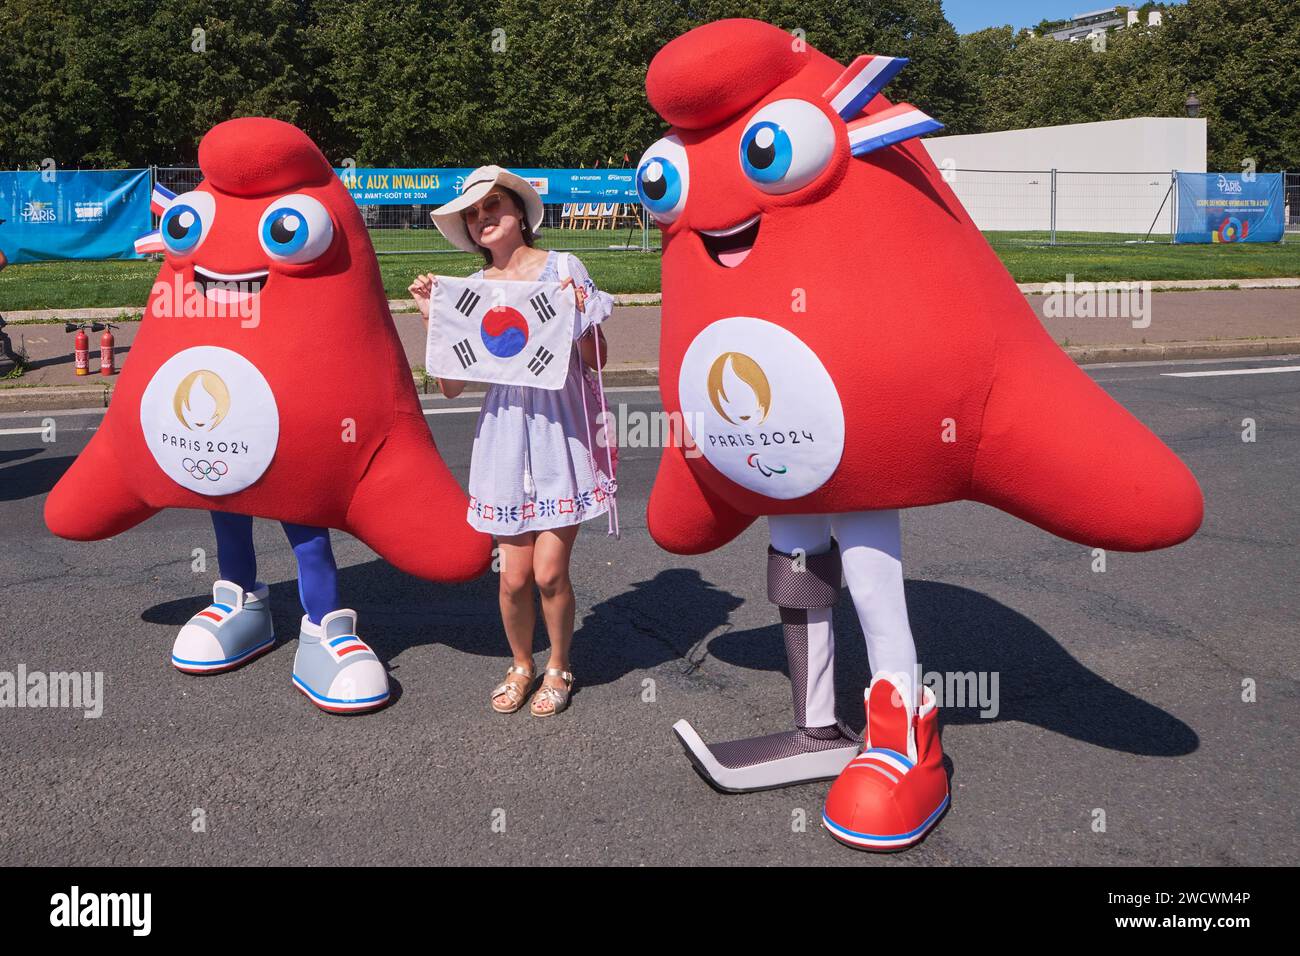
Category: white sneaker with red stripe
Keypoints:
(337, 670)
(232, 630)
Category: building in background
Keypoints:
(1085, 26)
(1112, 176)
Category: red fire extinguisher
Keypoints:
(106, 351)
(81, 350)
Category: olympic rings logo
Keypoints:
(211, 470)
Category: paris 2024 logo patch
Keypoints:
(762, 408)
(210, 420)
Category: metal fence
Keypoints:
(407, 229)
(1293, 202)
(1014, 207)
(1065, 207)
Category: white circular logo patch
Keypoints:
(210, 420)
(761, 407)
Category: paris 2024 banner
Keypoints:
(1230, 207)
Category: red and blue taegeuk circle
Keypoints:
(504, 331)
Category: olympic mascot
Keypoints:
(267, 380)
(843, 343)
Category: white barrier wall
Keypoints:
(1112, 176)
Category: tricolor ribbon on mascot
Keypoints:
(159, 200)
(856, 87)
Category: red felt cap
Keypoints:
(713, 72)
(255, 155)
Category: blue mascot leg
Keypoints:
(334, 667)
(236, 627)
(235, 554)
(317, 573)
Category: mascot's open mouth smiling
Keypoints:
(729, 247)
(228, 288)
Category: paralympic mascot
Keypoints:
(237, 400)
(842, 343)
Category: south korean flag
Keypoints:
(499, 331)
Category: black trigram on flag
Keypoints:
(467, 302)
(464, 352)
(537, 364)
(542, 306)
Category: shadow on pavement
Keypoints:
(651, 623)
(642, 628)
(17, 454)
(958, 631)
(30, 478)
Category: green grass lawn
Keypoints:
(1097, 257)
(53, 285)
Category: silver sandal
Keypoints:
(558, 696)
(514, 691)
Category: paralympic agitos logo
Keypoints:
(741, 393)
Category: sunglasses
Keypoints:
(492, 205)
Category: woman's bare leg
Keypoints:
(551, 553)
(518, 613)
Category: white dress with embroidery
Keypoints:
(537, 462)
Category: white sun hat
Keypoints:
(477, 185)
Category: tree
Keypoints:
(1239, 57)
(984, 55)
(562, 82)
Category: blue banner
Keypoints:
(73, 214)
(433, 187)
(1229, 207)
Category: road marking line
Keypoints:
(1233, 371)
(21, 431)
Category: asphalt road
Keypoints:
(1118, 691)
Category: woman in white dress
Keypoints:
(537, 470)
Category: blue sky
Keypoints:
(971, 15)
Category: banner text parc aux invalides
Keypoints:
(433, 187)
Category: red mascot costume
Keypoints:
(843, 343)
(267, 380)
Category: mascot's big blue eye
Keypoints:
(786, 146)
(662, 179)
(186, 222)
(295, 229)
(765, 152)
(659, 184)
(286, 232)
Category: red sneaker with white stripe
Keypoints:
(895, 791)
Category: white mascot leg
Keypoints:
(896, 790)
(871, 552)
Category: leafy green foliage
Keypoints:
(561, 82)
